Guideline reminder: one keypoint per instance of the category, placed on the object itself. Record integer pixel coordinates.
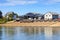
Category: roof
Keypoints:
(53, 13)
(29, 14)
(39, 15)
(33, 14)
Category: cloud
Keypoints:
(52, 1)
(18, 2)
(25, 2)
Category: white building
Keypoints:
(50, 16)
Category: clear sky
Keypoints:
(24, 6)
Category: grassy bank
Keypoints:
(44, 24)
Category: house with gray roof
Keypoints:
(33, 16)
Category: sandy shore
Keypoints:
(48, 24)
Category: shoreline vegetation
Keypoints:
(33, 24)
(30, 19)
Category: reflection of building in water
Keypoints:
(32, 30)
(48, 33)
(56, 31)
(18, 33)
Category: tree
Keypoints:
(1, 14)
(11, 15)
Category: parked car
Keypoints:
(17, 19)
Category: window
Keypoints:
(49, 15)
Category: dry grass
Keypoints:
(31, 24)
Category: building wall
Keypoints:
(14, 17)
(59, 16)
(55, 16)
(48, 16)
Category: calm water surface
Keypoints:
(30, 33)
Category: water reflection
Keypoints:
(56, 33)
(31, 30)
(0, 33)
(29, 33)
(48, 33)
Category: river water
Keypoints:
(29, 33)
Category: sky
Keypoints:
(22, 7)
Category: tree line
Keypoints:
(7, 17)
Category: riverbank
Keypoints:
(45, 24)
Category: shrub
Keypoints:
(3, 20)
